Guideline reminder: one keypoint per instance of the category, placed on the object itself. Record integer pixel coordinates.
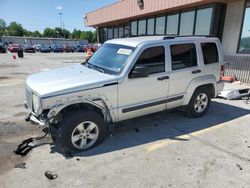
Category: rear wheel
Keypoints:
(80, 130)
(199, 103)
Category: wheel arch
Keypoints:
(208, 82)
(56, 114)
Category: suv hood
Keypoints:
(66, 80)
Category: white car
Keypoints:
(125, 78)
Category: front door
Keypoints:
(144, 95)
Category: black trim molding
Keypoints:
(125, 110)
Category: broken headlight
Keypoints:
(36, 103)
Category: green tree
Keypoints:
(3, 27)
(48, 32)
(76, 34)
(15, 29)
(65, 33)
(94, 39)
(36, 34)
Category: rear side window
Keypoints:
(210, 53)
(183, 56)
(153, 58)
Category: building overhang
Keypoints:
(129, 9)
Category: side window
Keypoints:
(210, 53)
(153, 58)
(183, 56)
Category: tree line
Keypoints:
(16, 29)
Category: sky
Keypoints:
(39, 14)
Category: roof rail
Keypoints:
(176, 36)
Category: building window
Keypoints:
(115, 32)
(126, 30)
(151, 26)
(187, 23)
(101, 35)
(244, 43)
(142, 27)
(134, 28)
(120, 32)
(183, 56)
(210, 53)
(105, 34)
(160, 25)
(203, 21)
(153, 58)
(110, 33)
(172, 24)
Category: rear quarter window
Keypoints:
(210, 53)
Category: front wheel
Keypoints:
(199, 103)
(80, 130)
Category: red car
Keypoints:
(93, 47)
(14, 47)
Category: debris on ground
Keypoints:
(50, 175)
(21, 165)
(27, 145)
(77, 159)
(234, 94)
(238, 165)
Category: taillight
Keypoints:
(222, 70)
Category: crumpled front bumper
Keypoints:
(35, 119)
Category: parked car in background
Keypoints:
(2, 48)
(57, 48)
(68, 48)
(37, 47)
(95, 47)
(85, 47)
(78, 48)
(14, 47)
(28, 48)
(44, 48)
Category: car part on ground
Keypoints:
(234, 93)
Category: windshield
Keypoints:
(112, 58)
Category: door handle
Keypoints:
(163, 78)
(196, 71)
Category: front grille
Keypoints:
(29, 98)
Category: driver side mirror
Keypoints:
(139, 71)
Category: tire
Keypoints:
(69, 130)
(199, 103)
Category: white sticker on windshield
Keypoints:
(124, 51)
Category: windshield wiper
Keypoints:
(89, 65)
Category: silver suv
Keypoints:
(125, 78)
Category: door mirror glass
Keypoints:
(139, 71)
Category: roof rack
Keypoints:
(177, 36)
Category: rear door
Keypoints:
(184, 68)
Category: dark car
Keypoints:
(28, 48)
(78, 48)
(56, 48)
(44, 48)
(2, 48)
(14, 47)
(68, 48)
